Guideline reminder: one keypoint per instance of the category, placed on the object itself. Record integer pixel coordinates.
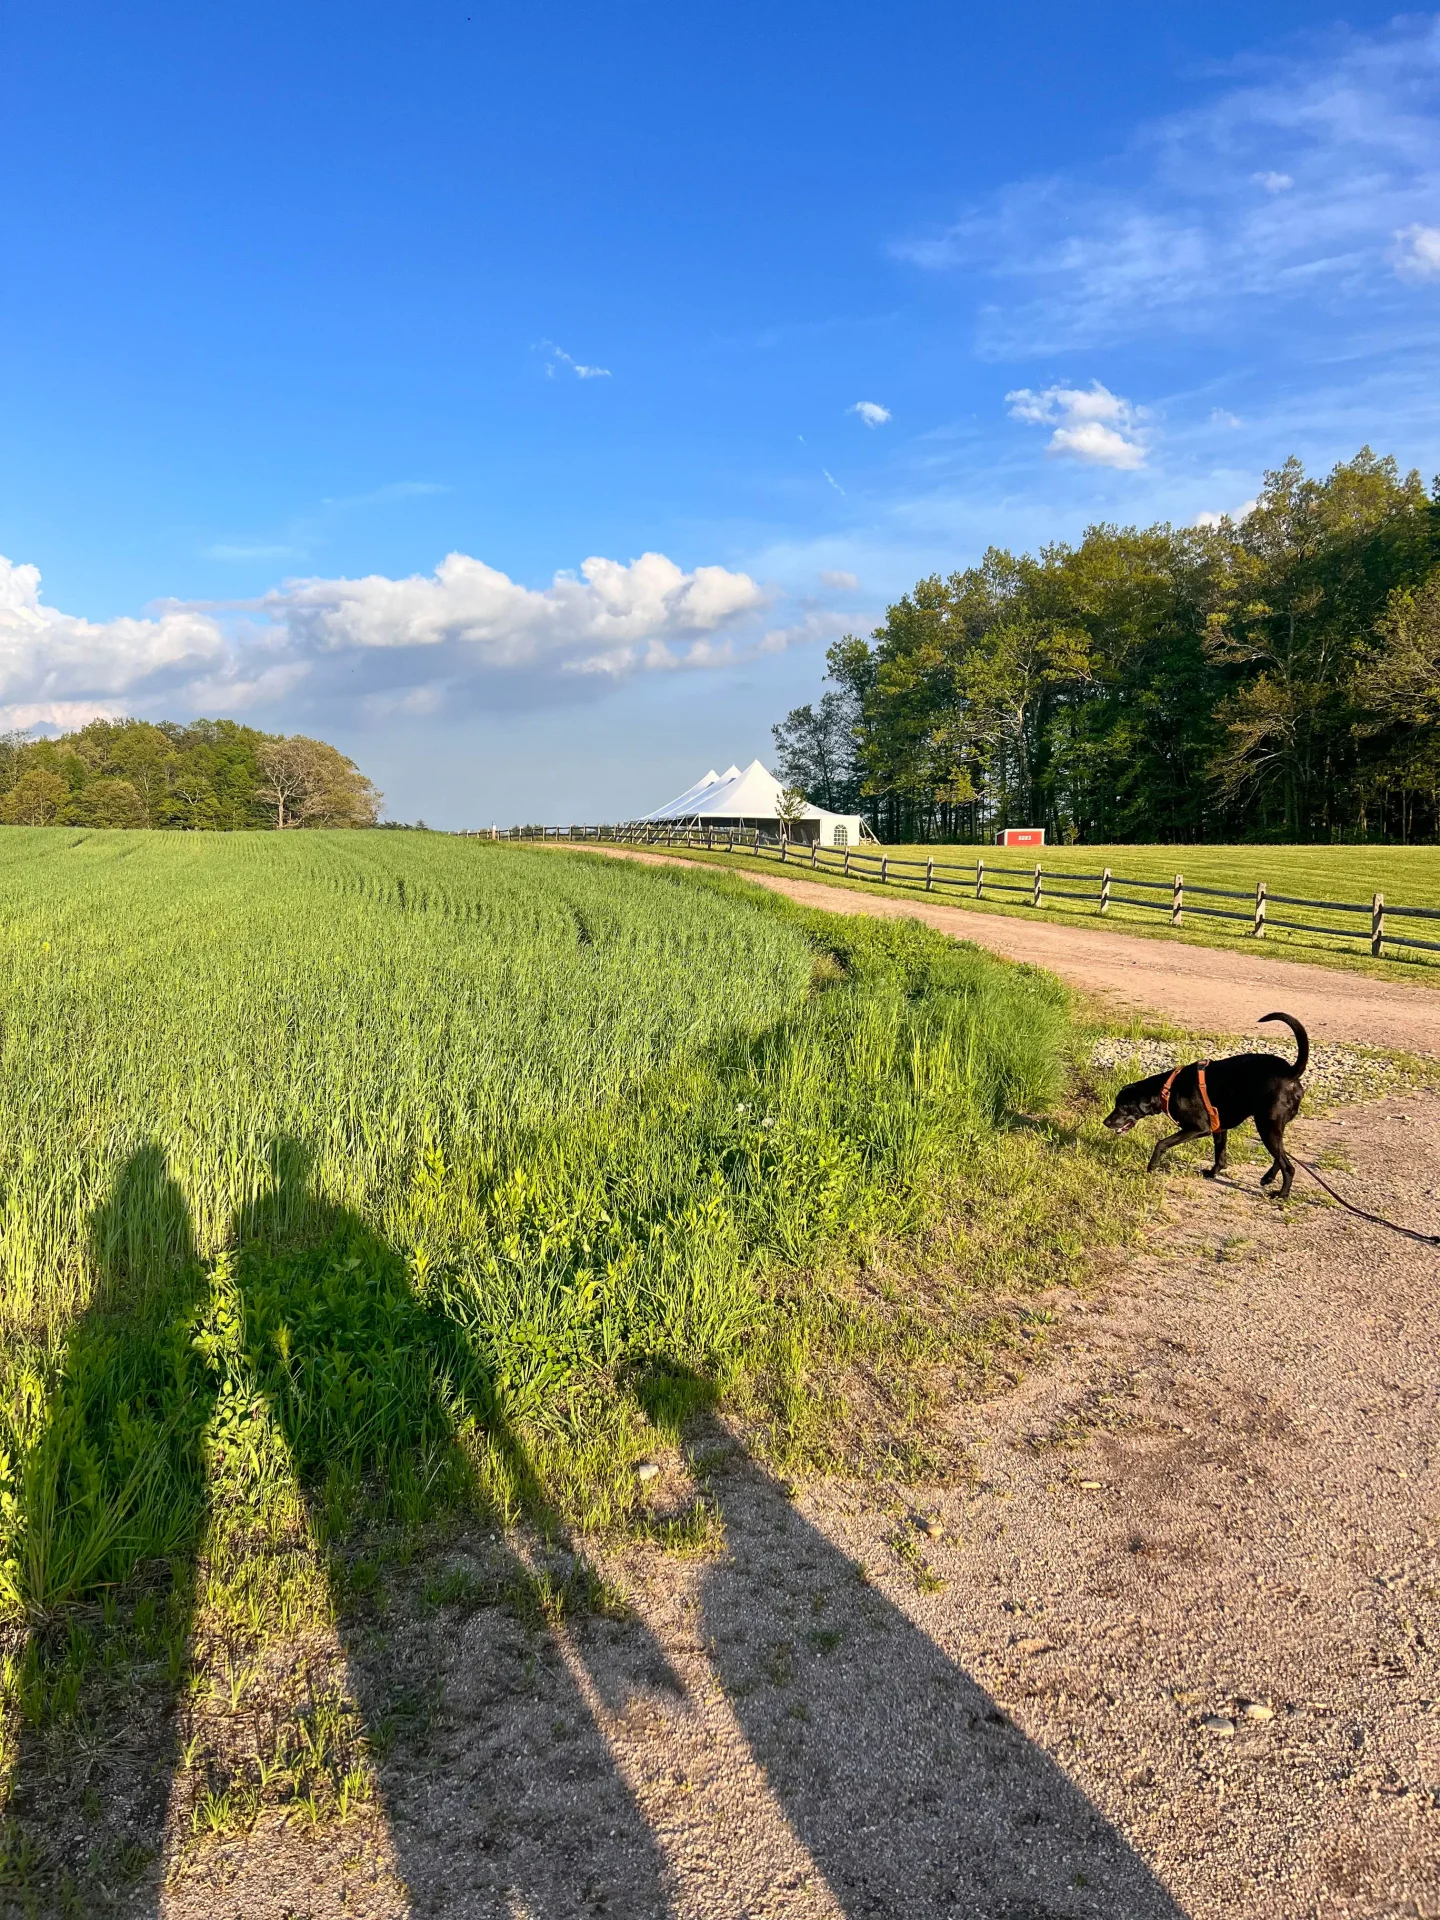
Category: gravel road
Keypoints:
(1173, 1650)
(1204, 988)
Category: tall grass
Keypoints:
(352, 1158)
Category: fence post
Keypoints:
(1177, 901)
(1105, 891)
(815, 852)
(782, 849)
(1038, 896)
(1377, 926)
(756, 847)
(1259, 909)
(930, 874)
(884, 869)
(979, 876)
(847, 859)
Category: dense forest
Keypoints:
(1272, 677)
(211, 774)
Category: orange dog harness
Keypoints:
(1205, 1100)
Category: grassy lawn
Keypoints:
(359, 1189)
(1407, 876)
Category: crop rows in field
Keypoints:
(339, 1149)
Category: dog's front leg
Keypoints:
(1220, 1161)
(1162, 1147)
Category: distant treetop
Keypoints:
(212, 775)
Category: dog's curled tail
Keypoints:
(1302, 1039)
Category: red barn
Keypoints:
(1020, 837)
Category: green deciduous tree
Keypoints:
(1270, 675)
(35, 799)
(203, 776)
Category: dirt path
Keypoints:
(1198, 987)
(1221, 1492)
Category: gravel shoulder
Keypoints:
(1169, 1644)
(1202, 988)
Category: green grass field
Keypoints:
(357, 1187)
(1407, 876)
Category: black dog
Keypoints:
(1211, 1096)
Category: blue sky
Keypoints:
(524, 399)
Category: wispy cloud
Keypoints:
(557, 357)
(871, 412)
(833, 481)
(1091, 423)
(307, 531)
(839, 580)
(1416, 253)
(1314, 177)
(382, 496)
(225, 550)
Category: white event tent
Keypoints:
(750, 799)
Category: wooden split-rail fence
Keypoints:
(1363, 920)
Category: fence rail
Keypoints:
(984, 880)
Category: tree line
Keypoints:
(1275, 676)
(212, 775)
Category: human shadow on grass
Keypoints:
(361, 1384)
(499, 1791)
(116, 1477)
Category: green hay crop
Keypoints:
(384, 1167)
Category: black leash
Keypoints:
(1379, 1220)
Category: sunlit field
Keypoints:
(453, 1135)
(358, 1187)
(1407, 877)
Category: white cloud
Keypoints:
(557, 357)
(378, 639)
(838, 580)
(871, 412)
(65, 715)
(1416, 253)
(1222, 417)
(1172, 233)
(48, 656)
(609, 605)
(1241, 512)
(833, 481)
(1091, 423)
(1101, 446)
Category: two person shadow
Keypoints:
(910, 1791)
(312, 1320)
